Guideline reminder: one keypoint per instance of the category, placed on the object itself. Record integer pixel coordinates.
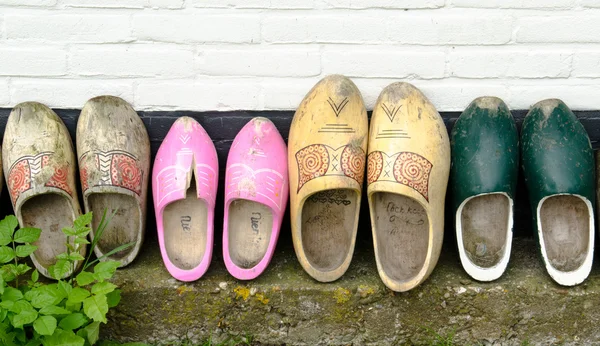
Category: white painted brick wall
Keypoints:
(267, 54)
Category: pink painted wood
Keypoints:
(256, 172)
(187, 152)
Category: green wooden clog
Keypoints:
(483, 179)
(558, 165)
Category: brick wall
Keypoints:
(266, 54)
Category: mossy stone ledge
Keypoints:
(286, 306)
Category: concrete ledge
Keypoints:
(285, 306)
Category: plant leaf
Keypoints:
(105, 270)
(96, 307)
(22, 268)
(81, 241)
(83, 220)
(20, 306)
(25, 250)
(103, 288)
(5, 234)
(73, 321)
(113, 298)
(34, 342)
(85, 278)
(7, 228)
(75, 256)
(78, 295)
(45, 325)
(63, 338)
(27, 235)
(93, 332)
(113, 251)
(24, 317)
(54, 310)
(7, 254)
(64, 287)
(73, 307)
(11, 294)
(44, 299)
(60, 269)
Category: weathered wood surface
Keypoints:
(408, 168)
(223, 127)
(113, 149)
(326, 154)
(39, 164)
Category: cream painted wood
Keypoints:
(408, 168)
(326, 158)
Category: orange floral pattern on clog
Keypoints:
(413, 170)
(25, 169)
(319, 160)
(116, 168)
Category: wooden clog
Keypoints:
(114, 163)
(184, 186)
(256, 193)
(483, 180)
(407, 175)
(326, 160)
(39, 165)
(558, 166)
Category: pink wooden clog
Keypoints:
(256, 193)
(184, 185)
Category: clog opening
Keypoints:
(124, 226)
(402, 235)
(565, 229)
(250, 225)
(51, 213)
(185, 229)
(328, 224)
(484, 224)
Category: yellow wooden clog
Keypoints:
(326, 159)
(407, 175)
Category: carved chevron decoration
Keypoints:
(110, 168)
(24, 174)
(390, 112)
(337, 108)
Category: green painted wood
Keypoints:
(557, 155)
(485, 151)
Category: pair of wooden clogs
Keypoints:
(558, 166)
(407, 153)
(39, 164)
(185, 180)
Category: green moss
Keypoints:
(341, 295)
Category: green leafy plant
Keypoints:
(67, 312)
